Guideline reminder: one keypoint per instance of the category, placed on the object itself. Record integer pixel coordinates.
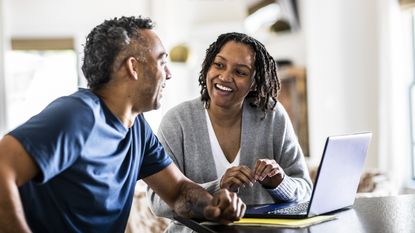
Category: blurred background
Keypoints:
(346, 66)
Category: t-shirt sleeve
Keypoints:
(54, 138)
(155, 157)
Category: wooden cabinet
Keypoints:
(293, 96)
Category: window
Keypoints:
(37, 72)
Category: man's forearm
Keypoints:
(11, 210)
(192, 201)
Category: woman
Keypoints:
(237, 135)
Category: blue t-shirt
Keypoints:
(89, 164)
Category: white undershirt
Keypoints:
(221, 162)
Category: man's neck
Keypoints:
(119, 105)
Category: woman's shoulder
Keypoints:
(277, 110)
(186, 107)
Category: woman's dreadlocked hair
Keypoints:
(267, 84)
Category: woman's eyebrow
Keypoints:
(238, 64)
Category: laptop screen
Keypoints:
(339, 172)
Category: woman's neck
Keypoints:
(225, 118)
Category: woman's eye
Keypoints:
(241, 73)
(218, 65)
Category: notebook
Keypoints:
(336, 183)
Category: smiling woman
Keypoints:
(230, 78)
(237, 135)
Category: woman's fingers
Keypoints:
(236, 177)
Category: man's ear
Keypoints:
(133, 67)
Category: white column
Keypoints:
(396, 75)
(342, 69)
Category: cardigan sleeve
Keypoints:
(296, 185)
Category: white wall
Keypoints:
(291, 45)
(342, 70)
(2, 71)
(67, 17)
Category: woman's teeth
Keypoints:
(223, 88)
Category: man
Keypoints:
(73, 167)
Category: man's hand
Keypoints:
(236, 177)
(268, 173)
(225, 207)
(190, 200)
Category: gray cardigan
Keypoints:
(184, 135)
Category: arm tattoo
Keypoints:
(193, 199)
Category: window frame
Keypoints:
(411, 96)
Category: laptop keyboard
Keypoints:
(301, 208)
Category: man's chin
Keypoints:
(157, 105)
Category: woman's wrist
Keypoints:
(273, 182)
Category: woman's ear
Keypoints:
(133, 67)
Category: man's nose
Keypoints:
(168, 73)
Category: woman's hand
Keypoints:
(268, 173)
(236, 177)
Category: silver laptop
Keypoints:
(336, 183)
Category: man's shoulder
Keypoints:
(84, 97)
(72, 109)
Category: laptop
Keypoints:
(336, 183)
